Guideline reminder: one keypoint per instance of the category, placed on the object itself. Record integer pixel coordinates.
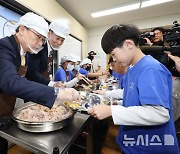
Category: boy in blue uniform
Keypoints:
(83, 70)
(145, 117)
(64, 72)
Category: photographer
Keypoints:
(157, 39)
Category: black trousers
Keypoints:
(3, 146)
(100, 129)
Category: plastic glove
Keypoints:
(67, 94)
(59, 84)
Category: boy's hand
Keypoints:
(100, 111)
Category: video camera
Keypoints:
(172, 38)
(173, 35)
(148, 35)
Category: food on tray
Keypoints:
(39, 113)
(72, 105)
(90, 86)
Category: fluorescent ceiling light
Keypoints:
(116, 10)
(153, 2)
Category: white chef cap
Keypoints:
(77, 58)
(86, 61)
(60, 28)
(68, 57)
(34, 21)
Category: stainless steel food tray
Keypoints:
(40, 126)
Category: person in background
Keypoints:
(118, 70)
(116, 93)
(176, 96)
(157, 40)
(158, 37)
(40, 64)
(147, 98)
(65, 74)
(31, 33)
(86, 63)
(109, 65)
(94, 67)
(90, 56)
(77, 66)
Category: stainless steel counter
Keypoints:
(45, 142)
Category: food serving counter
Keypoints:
(44, 143)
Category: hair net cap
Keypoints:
(77, 58)
(34, 21)
(86, 61)
(60, 28)
(68, 57)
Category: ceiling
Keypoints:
(81, 10)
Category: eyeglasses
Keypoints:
(39, 36)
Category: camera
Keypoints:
(148, 35)
(173, 35)
(171, 39)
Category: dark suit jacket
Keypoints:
(13, 84)
(37, 64)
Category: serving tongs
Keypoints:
(87, 80)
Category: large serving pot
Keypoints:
(40, 126)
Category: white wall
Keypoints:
(95, 34)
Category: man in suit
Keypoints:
(31, 33)
(39, 65)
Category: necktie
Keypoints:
(23, 60)
(50, 61)
(51, 53)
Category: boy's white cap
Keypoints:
(86, 61)
(34, 21)
(68, 57)
(60, 28)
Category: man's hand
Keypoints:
(100, 111)
(67, 94)
(148, 42)
(176, 60)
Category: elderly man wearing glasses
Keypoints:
(40, 64)
(31, 33)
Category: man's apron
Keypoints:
(7, 102)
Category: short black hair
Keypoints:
(158, 28)
(117, 34)
(17, 29)
(92, 52)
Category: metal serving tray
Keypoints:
(40, 126)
